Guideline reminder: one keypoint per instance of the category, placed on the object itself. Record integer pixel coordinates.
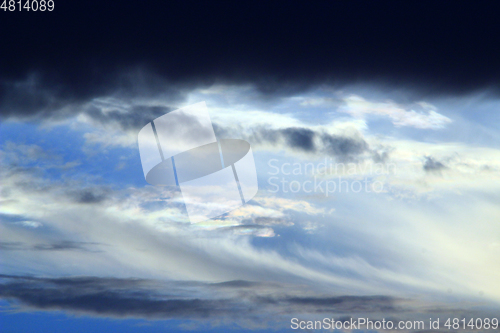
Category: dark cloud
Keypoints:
(147, 298)
(307, 140)
(110, 297)
(237, 302)
(27, 96)
(88, 195)
(345, 148)
(33, 98)
(431, 165)
(277, 46)
(98, 300)
(300, 138)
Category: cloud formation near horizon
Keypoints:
(271, 305)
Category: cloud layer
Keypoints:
(144, 52)
(242, 303)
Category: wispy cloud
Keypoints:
(426, 118)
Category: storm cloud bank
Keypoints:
(84, 50)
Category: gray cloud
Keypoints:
(380, 156)
(431, 165)
(93, 195)
(51, 246)
(344, 147)
(300, 138)
(309, 141)
(156, 299)
(240, 302)
(64, 245)
(99, 297)
(294, 137)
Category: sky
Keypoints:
(374, 131)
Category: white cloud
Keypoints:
(358, 107)
(29, 224)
